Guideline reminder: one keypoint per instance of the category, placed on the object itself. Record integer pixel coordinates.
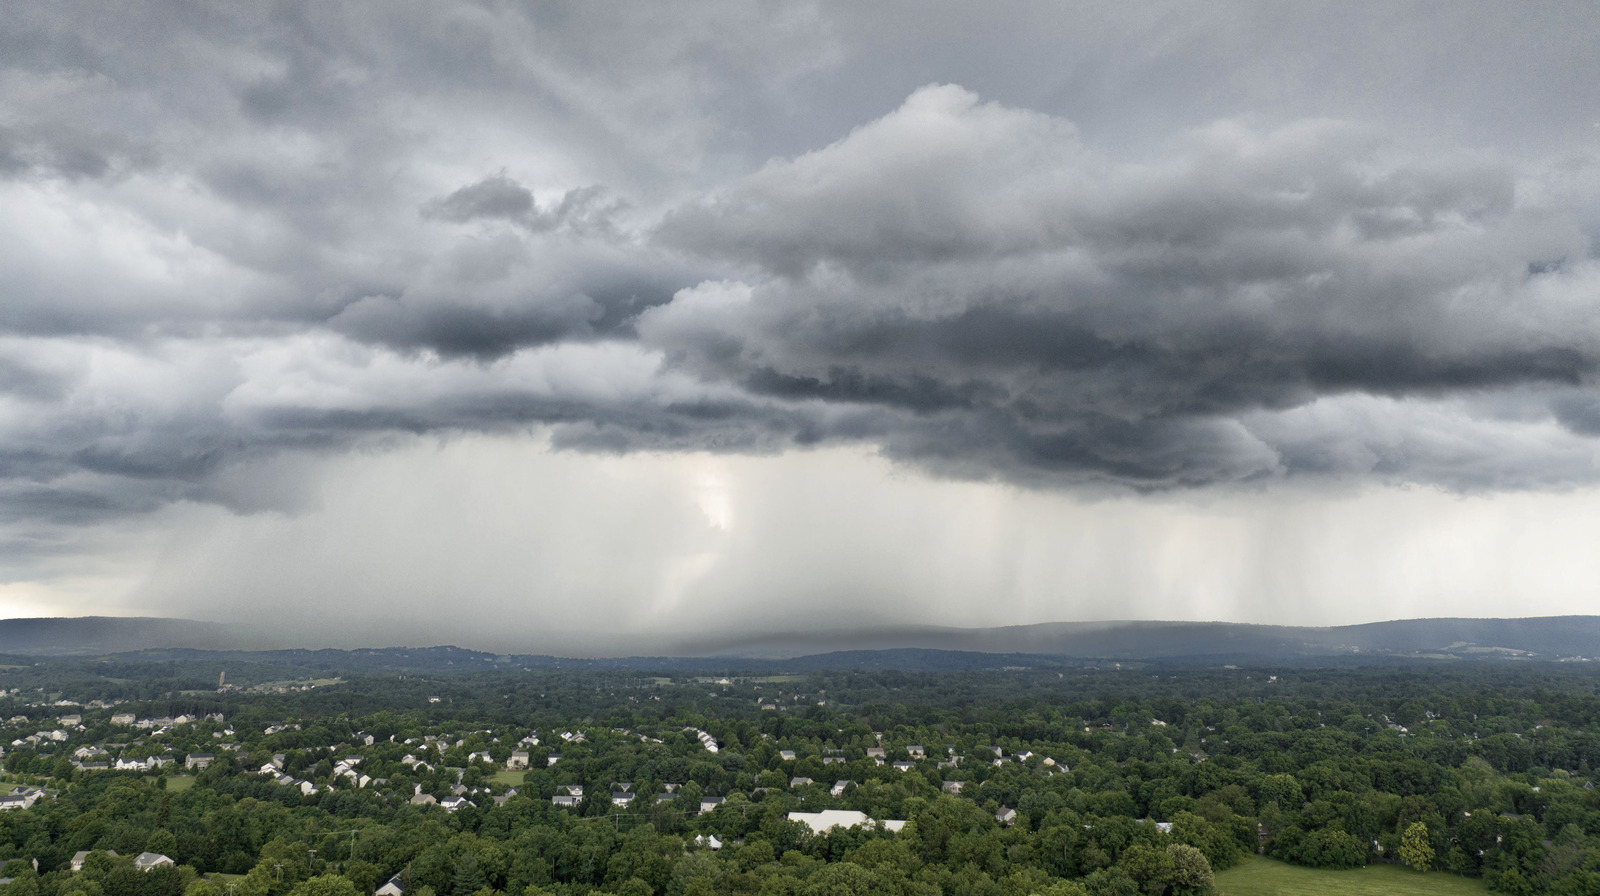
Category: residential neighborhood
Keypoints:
(275, 787)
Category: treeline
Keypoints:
(1120, 782)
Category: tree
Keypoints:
(1416, 849)
(1150, 868)
(469, 877)
(324, 885)
(1191, 872)
(1113, 881)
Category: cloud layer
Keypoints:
(1110, 253)
(1025, 307)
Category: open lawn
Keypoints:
(1269, 877)
(508, 778)
(180, 783)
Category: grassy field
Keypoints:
(508, 778)
(180, 783)
(1268, 877)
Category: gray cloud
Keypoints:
(493, 197)
(1036, 310)
(256, 232)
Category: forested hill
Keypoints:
(82, 635)
(911, 648)
(1549, 637)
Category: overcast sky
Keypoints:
(612, 327)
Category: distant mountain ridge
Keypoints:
(1548, 637)
(1537, 638)
(89, 635)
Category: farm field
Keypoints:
(1269, 877)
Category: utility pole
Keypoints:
(352, 832)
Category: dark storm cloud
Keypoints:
(493, 197)
(499, 198)
(501, 290)
(462, 329)
(1038, 310)
(235, 232)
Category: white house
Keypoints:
(828, 819)
(147, 860)
(81, 855)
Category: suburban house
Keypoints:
(147, 860)
(395, 887)
(570, 799)
(828, 819)
(82, 854)
(20, 798)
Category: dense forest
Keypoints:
(1015, 782)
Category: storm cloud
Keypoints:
(1032, 309)
(1072, 251)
